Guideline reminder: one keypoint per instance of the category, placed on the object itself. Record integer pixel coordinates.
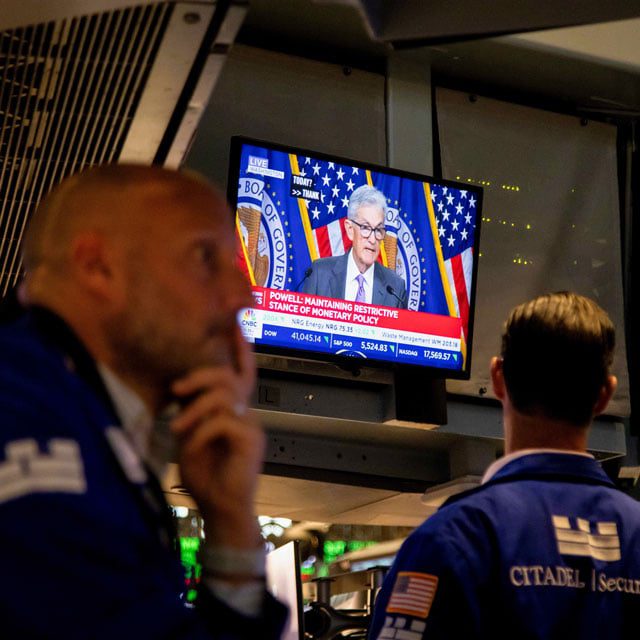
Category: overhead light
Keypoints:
(283, 522)
(273, 526)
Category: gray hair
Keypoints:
(366, 195)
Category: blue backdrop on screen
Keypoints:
(292, 210)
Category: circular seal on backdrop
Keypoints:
(403, 255)
(263, 232)
(408, 265)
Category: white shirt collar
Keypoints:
(353, 271)
(136, 419)
(505, 460)
(352, 268)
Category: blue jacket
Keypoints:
(548, 548)
(86, 547)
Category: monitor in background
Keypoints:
(416, 245)
(284, 582)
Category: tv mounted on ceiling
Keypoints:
(391, 283)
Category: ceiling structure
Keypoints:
(84, 83)
(594, 66)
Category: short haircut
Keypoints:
(97, 196)
(366, 195)
(557, 352)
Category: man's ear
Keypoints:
(606, 392)
(92, 263)
(349, 229)
(497, 378)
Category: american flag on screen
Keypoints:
(336, 183)
(455, 213)
(413, 594)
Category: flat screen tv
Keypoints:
(355, 263)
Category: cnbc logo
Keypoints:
(249, 324)
(249, 319)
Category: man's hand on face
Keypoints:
(221, 447)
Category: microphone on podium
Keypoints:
(307, 273)
(391, 290)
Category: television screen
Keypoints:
(352, 261)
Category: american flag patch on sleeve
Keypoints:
(413, 594)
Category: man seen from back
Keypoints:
(546, 547)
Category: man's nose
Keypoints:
(235, 290)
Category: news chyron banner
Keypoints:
(327, 325)
(291, 210)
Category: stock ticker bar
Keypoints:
(326, 325)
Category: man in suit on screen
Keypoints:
(357, 275)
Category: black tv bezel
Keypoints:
(345, 362)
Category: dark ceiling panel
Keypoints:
(404, 21)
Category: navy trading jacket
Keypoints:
(85, 539)
(547, 548)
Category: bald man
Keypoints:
(129, 314)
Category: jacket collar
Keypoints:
(494, 468)
(547, 466)
(554, 464)
(56, 332)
